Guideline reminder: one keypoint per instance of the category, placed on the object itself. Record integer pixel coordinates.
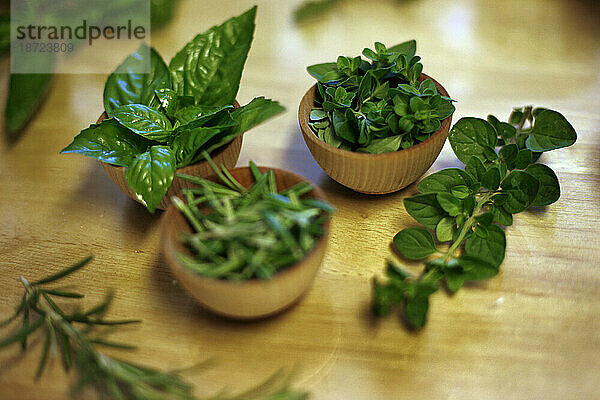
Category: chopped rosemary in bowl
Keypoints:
(250, 245)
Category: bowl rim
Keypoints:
(172, 261)
(303, 119)
(188, 169)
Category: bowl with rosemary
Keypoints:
(375, 125)
(246, 243)
(158, 123)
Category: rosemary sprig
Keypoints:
(248, 233)
(71, 335)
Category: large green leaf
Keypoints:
(476, 269)
(246, 117)
(443, 181)
(415, 243)
(490, 248)
(551, 131)
(254, 113)
(126, 86)
(472, 137)
(188, 141)
(425, 209)
(110, 142)
(549, 190)
(25, 93)
(209, 67)
(150, 175)
(144, 121)
(522, 189)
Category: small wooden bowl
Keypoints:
(251, 299)
(372, 173)
(226, 155)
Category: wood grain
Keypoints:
(532, 332)
(373, 173)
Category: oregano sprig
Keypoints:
(462, 211)
(71, 334)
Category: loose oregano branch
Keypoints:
(71, 335)
(466, 208)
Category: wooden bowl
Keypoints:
(226, 155)
(251, 299)
(372, 173)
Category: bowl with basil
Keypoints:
(246, 243)
(375, 125)
(158, 123)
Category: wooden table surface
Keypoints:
(532, 332)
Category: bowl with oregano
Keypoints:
(157, 124)
(375, 125)
(246, 243)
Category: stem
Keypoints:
(526, 115)
(467, 226)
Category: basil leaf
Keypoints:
(382, 145)
(425, 209)
(443, 181)
(521, 188)
(188, 141)
(415, 243)
(124, 86)
(201, 115)
(549, 190)
(551, 131)
(25, 94)
(471, 137)
(110, 142)
(254, 113)
(489, 248)
(150, 175)
(144, 121)
(218, 57)
(171, 102)
(409, 48)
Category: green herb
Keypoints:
(376, 106)
(27, 92)
(245, 233)
(71, 335)
(465, 209)
(166, 118)
(311, 10)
